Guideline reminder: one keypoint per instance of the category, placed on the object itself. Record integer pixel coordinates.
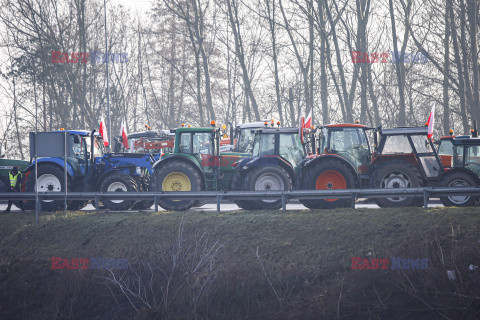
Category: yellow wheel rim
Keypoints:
(176, 181)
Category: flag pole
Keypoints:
(106, 65)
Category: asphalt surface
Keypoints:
(227, 206)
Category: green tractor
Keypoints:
(464, 170)
(195, 164)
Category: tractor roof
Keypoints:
(83, 133)
(278, 130)
(259, 124)
(205, 129)
(142, 134)
(344, 125)
(460, 141)
(405, 131)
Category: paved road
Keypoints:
(227, 206)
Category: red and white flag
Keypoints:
(308, 120)
(430, 123)
(103, 132)
(123, 133)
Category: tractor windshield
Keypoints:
(245, 140)
(98, 149)
(264, 145)
(291, 148)
(351, 143)
(472, 159)
(196, 143)
(446, 147)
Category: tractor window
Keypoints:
(291, 148)
(472, 160)
(352, 144)
(245, 140)
(185, 143)
(397, 144)
(446, 147)
(200, 141)
(421, 144)
(322, 143)
(264, 145)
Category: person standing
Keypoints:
(14, 182)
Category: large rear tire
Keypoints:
(397, 174)
(177, 176)
(329, 174)
(458, 180)
(118, 182)
(50, 178)
(265, 179)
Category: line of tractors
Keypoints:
(262, 157)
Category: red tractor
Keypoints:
(401, 158)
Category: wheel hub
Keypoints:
(269, 182)
(176, 181)
(459, 183)
(117, 186)
(396, 180)
(48, 183)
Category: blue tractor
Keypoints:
(89, 168)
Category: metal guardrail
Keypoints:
(218, 196)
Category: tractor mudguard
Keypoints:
(124, 168)
(310, 162)
(59, 162)
(181, 157)
(464, 170)
(266, 161)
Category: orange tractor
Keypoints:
(400, 158)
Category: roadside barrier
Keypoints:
(218, 196)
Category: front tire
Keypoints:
(118, 182)
(458, 180)
(329, 174)
(397, 174)
(177, 176)
(265, 179)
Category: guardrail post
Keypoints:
(284, 202)
(218, 203)
(97, 204)
(352, 200)
(425, 198)
(156, 202)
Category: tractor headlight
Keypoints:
(138, 170)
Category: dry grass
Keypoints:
(266, 264)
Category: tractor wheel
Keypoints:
(177, 176)
(265, 179)
(397, 174)
(50, 178)
(143, 205)
(458, 180)
(118, 182)
(325, 175)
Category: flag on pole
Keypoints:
(103, 132)
(430, 123)
(308, 120)
(123, 133)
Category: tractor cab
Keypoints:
(348, 141)
(466, 154)
(283, 142)
(242, 136)
(410, 144)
